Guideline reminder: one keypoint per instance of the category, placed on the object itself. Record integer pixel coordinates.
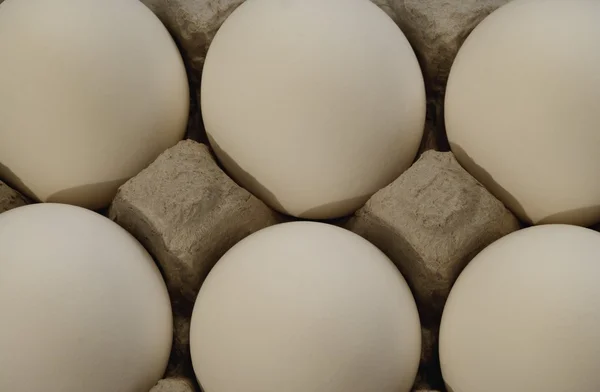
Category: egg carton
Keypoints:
(417, 221)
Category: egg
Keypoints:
(305, 306)
(524, 315)
(312, 105)
(522, 109)
(91, 93)
(83, 306)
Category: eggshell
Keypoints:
(302, 307)
(91, 92)
(83, 306)
(522, 108)
(525, 315)
(313, 105)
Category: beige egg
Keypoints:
(524, 315)
(313, 105)
(303, 307)
(91, 92)
(523, 108)
(83, 306)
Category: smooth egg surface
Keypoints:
(91, 92)
(524, 315)
(522, 109)
(302, 307)
(83, 306)
(313, 105)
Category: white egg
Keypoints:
(313, 105)
(83, 306)
(523, 108)
(524, 315)
(303, 307)
(91, 92)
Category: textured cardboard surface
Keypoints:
(180, 362)
(187, 212)
(431, 222)
(173, 385)
(9, 198)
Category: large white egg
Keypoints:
(303, 307)
(313, 105)
(524, 315)
(91, 92)
(83, 307)
(523, 108)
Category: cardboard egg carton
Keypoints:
(10, 198)
(431, 221)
